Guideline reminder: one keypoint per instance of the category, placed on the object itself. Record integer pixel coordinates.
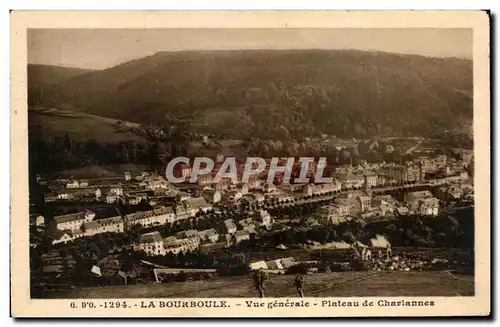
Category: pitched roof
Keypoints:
(69, 217)
(91, 225)
(198, 202)
(151, 237)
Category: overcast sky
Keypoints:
(103, 48)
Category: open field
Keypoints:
(82, 127)
(98, 171)
(343, 284)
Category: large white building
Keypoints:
(158, 216)
(66, 236)
(73, 221)
(151, 244)
(106, 225)
(174, 245)
(319, 189)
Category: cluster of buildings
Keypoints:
(68, 227)
(363, 204)
(126, 189)
(228, 232)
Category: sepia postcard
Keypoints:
(250, 164)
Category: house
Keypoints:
(350, 180)
(50, 197)
(263, 219)
(175, 246)
(247, 224)
(212, 247)
(402, 210)
(398, 173)
(136, 198)
(419, 195)
(241, 235)
(111, 198)
(427, 207)
(229, 226)
(274, 265)
(72, 184)
(116, 189)
(183, 210)
(64, 236)
(97, 194)
(151, 244)
(365, 203)
(384, 203)
(209, 235)
(199, 204)
(73, 221)
(37, 220)
(258, 265)
(371, 179)
(233, 196)
(452, 192)
(64, 196)
(190, 233)
(157, 216)
(211, 196)
(320, 189)
(106, 225)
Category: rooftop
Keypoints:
(70, 217)
(152, 237)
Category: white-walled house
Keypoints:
(151, 244)
(107, 225)
(73, 221)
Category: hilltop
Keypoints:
(42, 78)
(276, 94)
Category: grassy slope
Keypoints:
(81, 128)
(347, 284)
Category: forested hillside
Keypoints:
(278, 94)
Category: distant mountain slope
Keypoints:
(280, 93)
(42, 78)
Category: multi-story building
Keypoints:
(241, 235)
(151, 244)
(66, 236)
(397, 173)
(319, 189)
(73, 221)
(365, 203)
(371, 179)
(263, 219)
(349, 180)
(106, 225)
(158, 216)
(174, 245)
(77, 184)
(209, 234)
(229, 226)
(212, 196)
(428, 207)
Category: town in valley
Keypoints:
(395, 216)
